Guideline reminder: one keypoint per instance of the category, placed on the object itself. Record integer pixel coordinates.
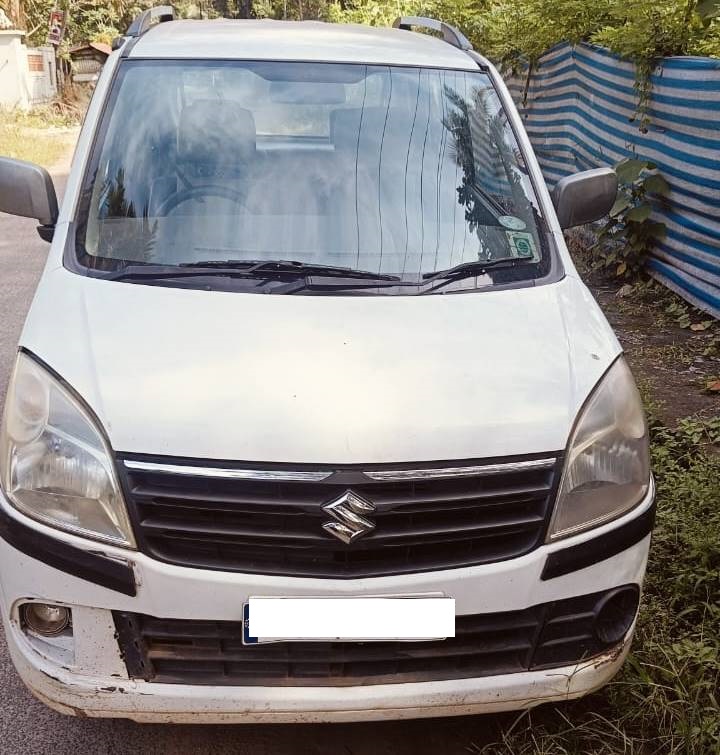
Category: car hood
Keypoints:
(324, 379)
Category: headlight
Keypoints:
(55, 465)
(607, 467)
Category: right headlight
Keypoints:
(607, 466)
(55, 464)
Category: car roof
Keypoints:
(297, 40)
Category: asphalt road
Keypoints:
(27, 726)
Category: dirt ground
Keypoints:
(673, 349)
(675, 364)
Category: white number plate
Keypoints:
(273, 619)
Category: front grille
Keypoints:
(177, 651)
(275, 526)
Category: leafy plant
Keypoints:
(709, 42)
(100, 20)
(713, 385)
(708, 10)
(713, 347)
(686, 316)
(646, 31)
(627, 236)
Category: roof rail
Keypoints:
(143, 22)
(450, 34)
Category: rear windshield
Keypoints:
(399, 171)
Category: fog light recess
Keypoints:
(45, 619)
(615, 613)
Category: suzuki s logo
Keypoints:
(350, 514)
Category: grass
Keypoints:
(669, 353)
(42, 135)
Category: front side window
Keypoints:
(398, 172)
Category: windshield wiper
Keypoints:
(245, 269)
(270, 268)
(428, 283)
(339, 283)
(311, 276)
(266, 269)
(468, 270)
(474, 267)
(161, 272)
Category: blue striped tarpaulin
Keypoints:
(579, 114)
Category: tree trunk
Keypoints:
(16, 13)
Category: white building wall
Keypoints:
(41, 84)
(19, 86)
(13, 70)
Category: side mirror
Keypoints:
(585, 197)
(27, 190)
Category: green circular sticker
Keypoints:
(523, 248)
(522, 244)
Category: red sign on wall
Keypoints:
(57, 27)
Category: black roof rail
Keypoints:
(450, 34)
(143, 22)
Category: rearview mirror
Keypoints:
(585, 197)
(27, 190)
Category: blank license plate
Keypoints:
(273, 619)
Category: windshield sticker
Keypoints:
(522, 244)
(511, 222)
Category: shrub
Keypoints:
(626, 238)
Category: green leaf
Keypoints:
(621, 203)
(656, 184)
(713, 386)
(656, 229)
(629, 170)
(639, 214)
(708, 9)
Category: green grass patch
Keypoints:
(666, 698)
(42, 135)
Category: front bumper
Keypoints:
(108, 696)
(91, 679)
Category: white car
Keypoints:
(312, 418)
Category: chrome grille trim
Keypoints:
(389, 475)
(229, 474)
(385, 475)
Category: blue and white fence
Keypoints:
(579, 114)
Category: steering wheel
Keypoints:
(199, 192)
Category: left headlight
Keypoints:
(55, 465)
(607, 466)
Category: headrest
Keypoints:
(215, 136)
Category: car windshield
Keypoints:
(389, 170)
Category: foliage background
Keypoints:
(100, 20)
(505, 30)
